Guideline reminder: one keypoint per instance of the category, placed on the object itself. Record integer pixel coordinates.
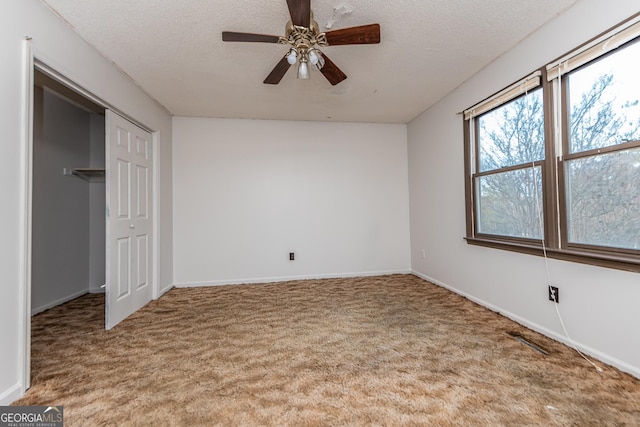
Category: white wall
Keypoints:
(599, 305)
(248, 192)
(61, 250)
(58, 46)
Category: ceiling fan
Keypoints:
(303, 36)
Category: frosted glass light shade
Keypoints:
(303, 70)
(313, 57)
(292, 57)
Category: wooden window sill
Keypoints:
(616, 261)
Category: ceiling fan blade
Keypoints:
(300, 11)
(278, 72)
(364, 34)
(232, 36)
(331, 71)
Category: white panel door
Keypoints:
(129, 222)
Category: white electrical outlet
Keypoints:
(424, 254)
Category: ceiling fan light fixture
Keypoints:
(313, 57)
(303, 69)
(292, 57)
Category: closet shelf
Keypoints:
(87, 173)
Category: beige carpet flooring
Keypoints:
(386, 351)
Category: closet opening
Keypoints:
(68, 195)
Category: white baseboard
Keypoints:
(623, 366)
(59, 301)
(288, 278)
(165, 290)
(10, 395)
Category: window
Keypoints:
(602, 165)
(552, 162)
(509, 182)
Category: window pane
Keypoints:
(604, 103)
(510, 203)
(512, 134)
(604, 199)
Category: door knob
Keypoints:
(131, 226)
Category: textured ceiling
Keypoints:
(174, 51)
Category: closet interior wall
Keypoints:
(68, 211)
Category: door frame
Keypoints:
(32, 60)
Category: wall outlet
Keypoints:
(292, 256)
(554, 294)
(424, 254)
